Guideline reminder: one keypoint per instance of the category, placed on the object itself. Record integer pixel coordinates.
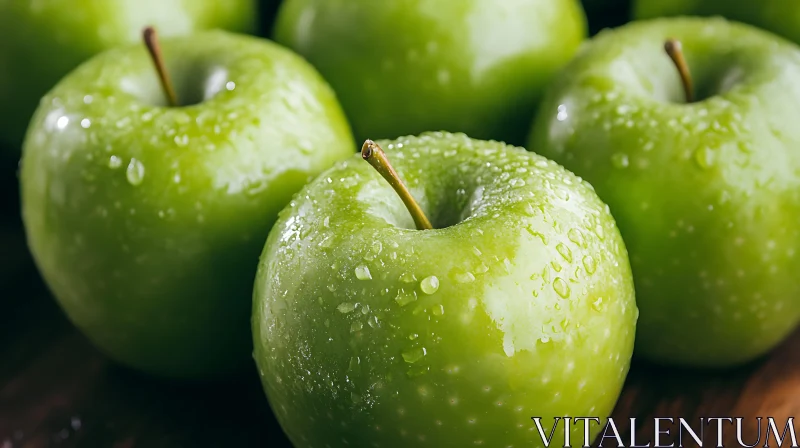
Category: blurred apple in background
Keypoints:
(409, 66)
(43, 40)
(779, 16)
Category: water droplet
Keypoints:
(597, 305)
(556, 266)
(562, 114)
(528, 209)
(413, 355)
(376, 247)
(429, 285)
(135, 172)
(482, 268)
(704, 157)
(438, 310)
(537, 234)
(356, 326)
(346, 307)
(465, 277)
(362, 273)
(355, 364)
(413, 336)
(408, 277)
(565, 252)
(620, 160)
(85, 123)
(590, 264)
(114, 162)
(365, 310)
(561, 287)
(404, 298)
(327, 241)
(598, 230)
(576, 236)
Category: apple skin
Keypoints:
(781, 17)
(45, 40)
(534, 314)
(147, 221)
(411, 66)
(706, 195)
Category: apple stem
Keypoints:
(374, 155)
(674, 49)
(150, 38)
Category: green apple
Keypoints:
(146, 220)
(779, 16)
(519, 303)
(43, 40)
(409, 66)
(707, 193)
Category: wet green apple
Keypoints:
(44, 40)
(779, 16)
(706, 193)
(518, 303)
(473, 66)
(146, 220)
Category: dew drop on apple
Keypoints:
(405, 297)
(114, 162)
(620, 160)
(429, 285)
(438, 310)
(704, 157)
(565, 252)
(356, 326)
(355, 364)
(407, 277)
(362, 273)
(465, 277)
(590, 264)
(561, 287)
(346, 307)
(576, 237)
(135, 172)
(414, 354)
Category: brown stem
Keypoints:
(373, 153)
(150, 38)
(674, 49)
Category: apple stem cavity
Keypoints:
(150, 38)
(374, 155)
(674, 49)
